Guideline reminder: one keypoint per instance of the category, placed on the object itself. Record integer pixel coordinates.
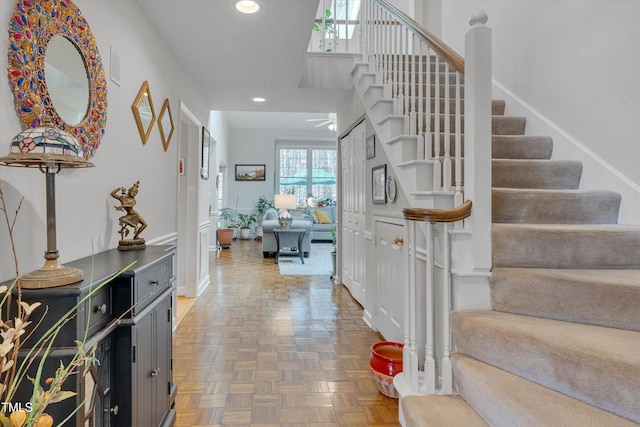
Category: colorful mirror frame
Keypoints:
(33, 24)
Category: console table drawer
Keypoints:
(149, 284)
(99, 310)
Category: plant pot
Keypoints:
(386, 363)
(245, 233)
(224, 236)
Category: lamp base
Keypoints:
(285, 222)
(51, 275)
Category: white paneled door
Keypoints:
(390, 283)
(353, 158)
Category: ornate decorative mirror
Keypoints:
(165, 124)
(56, 70)
(143, 111)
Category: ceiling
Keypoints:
(232, 57)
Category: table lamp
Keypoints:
(48, 149)
(284, 202)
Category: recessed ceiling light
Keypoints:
(247, 6)
(258, 99)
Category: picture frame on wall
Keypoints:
(378, 183)
(204, 158)
(249, 172)
(371, 147)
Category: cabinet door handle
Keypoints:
(155, 372)
(154, 282)
(101, 308)
(398, 240)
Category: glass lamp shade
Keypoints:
(45, 145)
(48, 149)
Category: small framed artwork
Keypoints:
(250, 173)
(204, 159)
(378, 181)
(371, 147)
(165, 124)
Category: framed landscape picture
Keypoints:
(250, 173)
(378, 182)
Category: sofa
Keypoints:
(270, 221)
(322, 226)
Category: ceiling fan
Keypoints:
(330, 120)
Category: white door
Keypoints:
(353, 156)
(187, 251)
(390, 284)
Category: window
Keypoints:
(306, 170)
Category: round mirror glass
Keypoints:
(66, 80)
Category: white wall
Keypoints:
(85, 210)
(576, 65)
(257, 146)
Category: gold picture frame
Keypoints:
(144, 112)
(165, 124)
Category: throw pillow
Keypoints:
(323, 217)
(271, 214)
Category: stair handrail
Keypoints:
(452, 57)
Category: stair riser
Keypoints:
(585, 370)
(521, 147)
(554, 207)
(507, 125)
(596, 246)
(603, 298)
(538, 174)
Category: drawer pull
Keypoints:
(101, 308)
(155, 372)
(154, 282)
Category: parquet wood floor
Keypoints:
(261, 349)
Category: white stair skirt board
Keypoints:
(318, 263)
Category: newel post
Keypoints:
(477, 140)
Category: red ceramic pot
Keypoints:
(386, 362)
(386, 358)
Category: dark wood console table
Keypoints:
(133, 384)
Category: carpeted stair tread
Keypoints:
(605, 246)
(554, 206)
(596, 297)
(541, 174)
(504, 399)
(507, 125)
(521, 147)
(439, 411)
(597, 365)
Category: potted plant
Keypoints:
(225, 233)
(244, 222)
(262, 205)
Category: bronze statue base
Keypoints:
(131, 245)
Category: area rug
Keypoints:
(318, 263)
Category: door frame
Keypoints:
(189, 128)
